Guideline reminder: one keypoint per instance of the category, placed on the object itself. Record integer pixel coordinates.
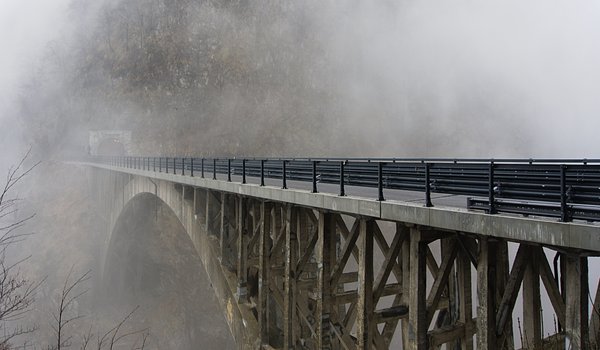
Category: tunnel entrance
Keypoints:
(109, 142)
(151, 262)
(111, 147)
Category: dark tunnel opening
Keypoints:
(111, 147)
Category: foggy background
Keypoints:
(409, 78)
(459, 78)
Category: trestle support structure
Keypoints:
(318, 279)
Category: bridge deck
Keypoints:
(448, 214)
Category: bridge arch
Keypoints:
(150, 259)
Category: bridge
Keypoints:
(383, 253)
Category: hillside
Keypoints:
(186, 77)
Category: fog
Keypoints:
(28, 27)
(411, 78)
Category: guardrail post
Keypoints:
(491, 191)
(314, 177)
(182, 166)
(167, 164)
(342, 189)
(229, 169)
(202, 168)
(243, 171)
(564, 209)
(428, 185)
(262, 172)
(283, 175)
(380, 181)
(192, 166)
(160, 164)
(214, 168)
(175, 165)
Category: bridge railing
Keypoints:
(563, 188)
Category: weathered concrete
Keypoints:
(520, 229)
(285, 280)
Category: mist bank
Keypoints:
(412, 79)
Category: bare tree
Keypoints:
(68, 297)
(16, 291)
(63, 317)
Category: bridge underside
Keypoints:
(292, 276)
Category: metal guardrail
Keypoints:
(564, 188)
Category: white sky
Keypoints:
(26, 26)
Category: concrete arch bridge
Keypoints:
(310, 254)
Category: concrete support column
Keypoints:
(264, 273)
(405, 261)
(325, 246)
(224, 227)
(595, 321)
(532, 306)
(212, 213)
(200, 205)
(417, 308)
(303, 241)
(364, 325)
(577, 331)
(486, 290)
(242, 258)
(465, 309)
(502, 274)
(289, 312)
